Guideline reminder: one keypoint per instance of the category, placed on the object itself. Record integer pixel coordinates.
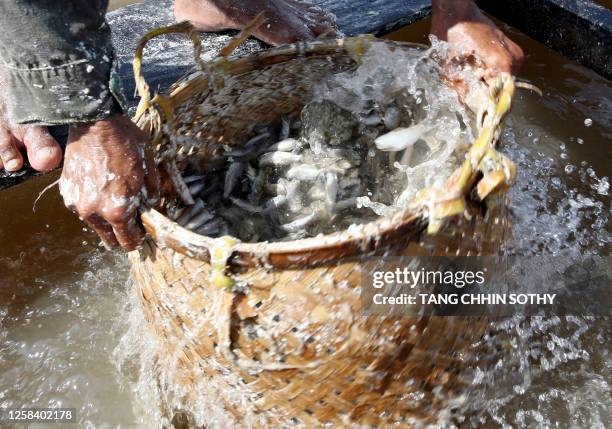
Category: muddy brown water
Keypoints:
(64, 300)
(605, 3)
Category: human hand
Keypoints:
(108, 174)
(470, 32)
(44, 154)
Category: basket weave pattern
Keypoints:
(295, 338)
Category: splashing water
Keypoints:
(50, 353)
(405, 89)
(57, 348)
(555, 208)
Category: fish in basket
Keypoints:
(269, 321)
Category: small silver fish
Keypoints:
(233, 175)
(175, 213)
(177, 181)
(316, 192)
(404, 160)
(196, 187)
(192, 178)
(300, 223)
(345, 204)
(371, 120)
(190, 212)
(303, 172)
(213, 185)
(274, 203)
(346, 183)
(293, 194)
(400, 138)
(285, 127)
(340, 153)
(246, 206)
(275, 189)
(257, 184)
(231, 214)
(214, 227)
(250, 148)
(278, 159)
(199, 220)
(331, 191)
(286, 145)
(335, 165)
(213, 199)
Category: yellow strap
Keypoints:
(461, 181)
(220, 253)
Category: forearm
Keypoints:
(57, 59)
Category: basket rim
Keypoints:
(358, 240)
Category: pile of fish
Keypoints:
(346, 160)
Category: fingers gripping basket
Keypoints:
(275, 330)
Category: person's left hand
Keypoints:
(108, 174)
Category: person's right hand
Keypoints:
(44, 154)
(470, 32)
(108, 174)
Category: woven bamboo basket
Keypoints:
(291, 347)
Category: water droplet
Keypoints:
(569, 168)
(579, 141)
(588, 122)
